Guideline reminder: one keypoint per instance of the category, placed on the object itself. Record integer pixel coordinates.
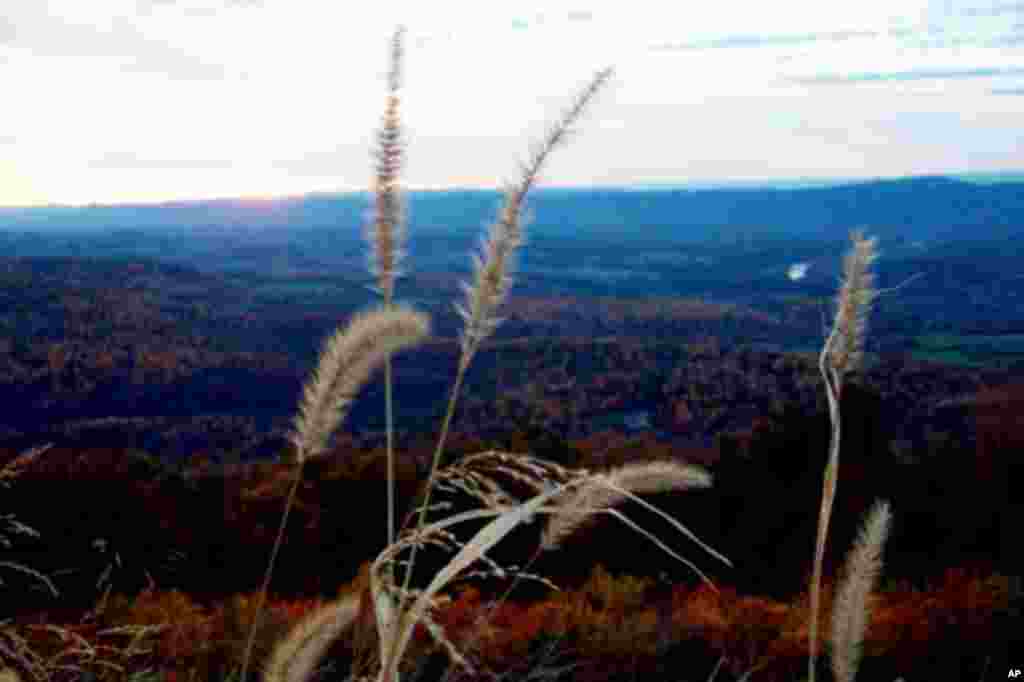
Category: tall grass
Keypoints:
(8, 473)
(386, 234)
(842, 354)
(12, 646)
(567, 499)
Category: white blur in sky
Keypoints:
(797, 271)
(148, 100)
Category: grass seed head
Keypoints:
(347, 360)
(851, 613)
(854, 304)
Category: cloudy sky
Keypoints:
(148, 100)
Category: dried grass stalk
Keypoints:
(386, 233)
(851, 612)
(399, 633)
(493, 266)
(607, 490)
(492, 280)
(842, 353)
(347, 360)
(854, 302)
(295, 657)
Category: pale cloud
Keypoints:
(151, 99)
(912, 75)
(133, 161)
(42, 34)
(757, 40)
(580, 15)
(995, 10)
(195, 7)
(8, 31)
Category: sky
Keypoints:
(113, 101)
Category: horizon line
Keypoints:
(983, 177)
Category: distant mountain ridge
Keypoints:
(920, 208)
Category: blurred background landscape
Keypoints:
(681, 323)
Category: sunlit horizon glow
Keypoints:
(144, 101)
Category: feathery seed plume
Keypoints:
(606, 490)
(842, 353)
(850, 613)
(295, 657)
(854, 304)
(492, 267)
(386, 233)
(346, 362)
